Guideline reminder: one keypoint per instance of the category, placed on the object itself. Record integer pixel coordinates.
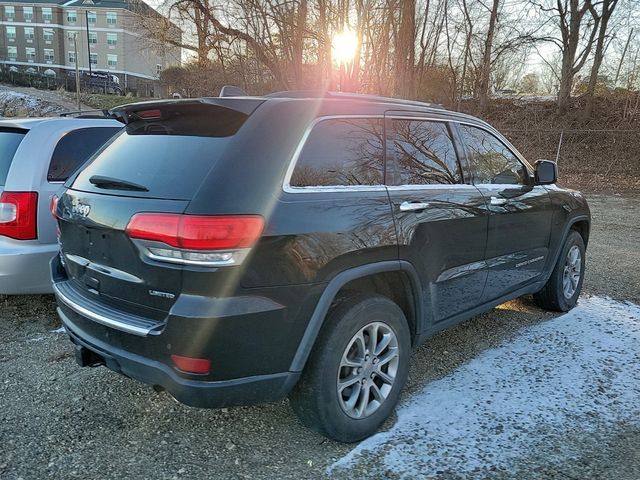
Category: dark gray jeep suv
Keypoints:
(237, 250)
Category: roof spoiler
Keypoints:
(232, 91)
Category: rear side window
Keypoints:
(9, 141)
(424, 153)
(168, 156)
(75, 148)
(492, 161)
(340, 152)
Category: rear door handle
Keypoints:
(498, 201)
(413, 206)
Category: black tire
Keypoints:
(315, 399)
(552, 296)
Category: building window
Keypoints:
(12, 53)
(48, 55)
(72, 16)
(72, 58)
(71, 36)
(11, 33)
(112, 39)
(93, 58)
(158, 69)
(31, 54)
(28, 34)
(93, 38)
(92, 17)
(46, 14)
(28, 13)
(112, 19)
(10, 13)
(47, 33)
(112, 60)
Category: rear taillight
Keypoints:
(19, 215)
(53, 206)
(196, 240)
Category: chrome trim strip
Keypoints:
(109, 322)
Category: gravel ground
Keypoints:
(60, 421)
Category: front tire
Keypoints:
(562, 290)
(356, 371)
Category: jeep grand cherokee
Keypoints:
(239, 250)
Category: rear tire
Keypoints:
(352, 383)
(563, 288)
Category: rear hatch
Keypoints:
(154, 166)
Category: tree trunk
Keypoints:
(485, 72)
(405, 50)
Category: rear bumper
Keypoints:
(24, 267)
(247, 369)
(195, 393)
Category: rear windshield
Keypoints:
(9, 141)
(169, 157)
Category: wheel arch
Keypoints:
(348, 277)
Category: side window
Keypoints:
(343, 151)
(75, 148)
(492, 161)
(424, 153)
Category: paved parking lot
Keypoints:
(60, 421)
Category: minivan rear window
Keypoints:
(9, 141)
(168, 156)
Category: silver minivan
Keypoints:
(36, 157)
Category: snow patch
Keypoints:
(16, 104)
(579, 372)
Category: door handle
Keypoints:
(498, 201)
(413, 206)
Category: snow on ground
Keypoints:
(576, 376)
(16, 104)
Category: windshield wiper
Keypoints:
(116, 184)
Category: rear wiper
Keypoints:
(116, 184)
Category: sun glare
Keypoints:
(344, 46)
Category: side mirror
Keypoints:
(546, 172)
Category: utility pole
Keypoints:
(86, 18)
(75, 47)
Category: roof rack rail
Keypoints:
(350, 96)
(232, 91)
(97, 113)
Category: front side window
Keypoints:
(9, 141)
(424, 153)
(28, 33)
(28, 13)
(340, 152)
(72, 16)
(491, 160)
(75, 148)
(46, 14)
(12, 53)
(31, 54)
(11, 33)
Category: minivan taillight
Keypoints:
(195, 239)
(19, 215)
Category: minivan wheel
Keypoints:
(357, 369)
(563, 288)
